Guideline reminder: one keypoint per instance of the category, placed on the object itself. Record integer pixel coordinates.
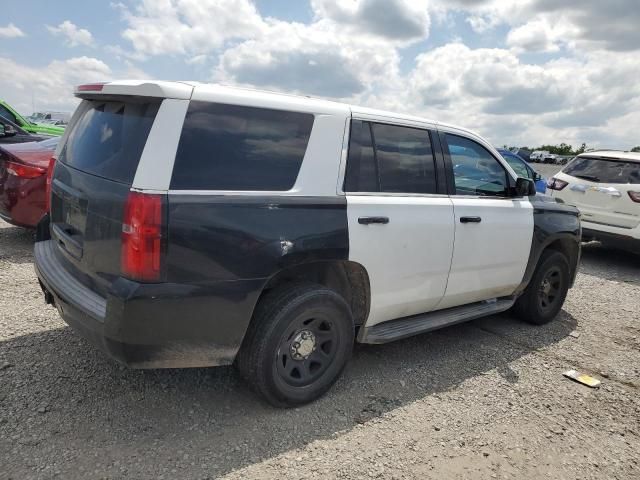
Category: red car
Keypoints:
(23, 177)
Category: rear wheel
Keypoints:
(544, 296)
(298, 343)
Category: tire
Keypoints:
(544, 296)
(298, 343)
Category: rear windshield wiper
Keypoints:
(588, 177)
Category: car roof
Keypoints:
(211, 92)
(612, 154)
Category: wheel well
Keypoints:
(569, 248)
(349, 279)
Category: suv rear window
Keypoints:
(108, 138)
(604, 171)
(232, 147)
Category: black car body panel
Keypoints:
(554, 223)
(222, 253)
(154, 325)
(236, 237)
(86, 223)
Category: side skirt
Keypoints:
(414, 325)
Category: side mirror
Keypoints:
(525, 187)
(7, 130)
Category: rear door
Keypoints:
(400, 222)
(493, 232)
(93, 175)
(599, 188)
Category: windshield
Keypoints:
(518, 166)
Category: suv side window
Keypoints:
(362, 170)
(232, 147)
(475, 170)
(390, 159)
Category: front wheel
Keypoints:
(544, 296)
(297, 345)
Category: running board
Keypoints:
(408, 326)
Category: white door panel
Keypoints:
(489, 257)
(407, 259)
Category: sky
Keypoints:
(519, 72)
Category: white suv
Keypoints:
(605, 187)
(197, 225)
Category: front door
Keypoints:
(400, 226)
(493, 232)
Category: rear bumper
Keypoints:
(622, 241)
(152, 325)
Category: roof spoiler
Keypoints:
(138, 88)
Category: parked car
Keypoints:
(523, 169)
(23, 173)
(217, 225)
(605, 187)
(9, 113)
(53, 118)
(538, 156)
(12, 133)
(550, 158)
(523, 153)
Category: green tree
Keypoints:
(635, 149)
(582, 149)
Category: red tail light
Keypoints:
(635, 196)
(556, 184)
(24, 171)
(52, 166)
(141, 236)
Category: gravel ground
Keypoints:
(485, 399)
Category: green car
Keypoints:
(9, 113)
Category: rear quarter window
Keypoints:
(232, 147)
(604, 171)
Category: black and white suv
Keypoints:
(197, 225)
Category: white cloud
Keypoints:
(316, 59)
(11, 31)
(49, 86)
(535, 36)
(393, 20)
(493, 91)
(188, 26)
(73, 36)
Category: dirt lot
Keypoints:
(481, 400)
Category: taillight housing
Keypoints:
(50, 169)
(91, 87)
(635, 196)
(24, 171)
(142, 227)
(556, 184)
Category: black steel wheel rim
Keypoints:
(550, 289)
(306, 350)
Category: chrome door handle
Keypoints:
(610, 191)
